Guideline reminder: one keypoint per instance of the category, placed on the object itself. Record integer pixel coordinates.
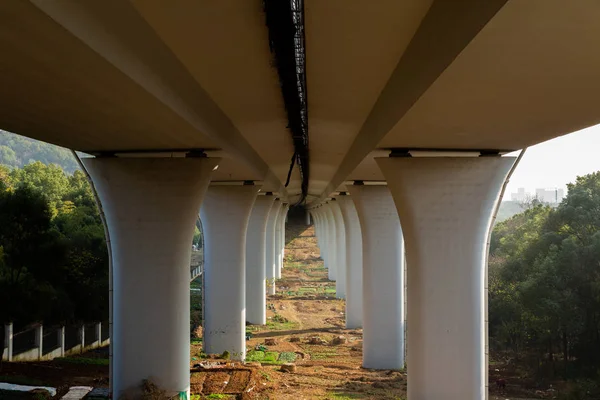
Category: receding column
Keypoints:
(354, 279)
(446, 205)
(319, 231)
(225, 213)
(150, 206)
(282, 222)
(340, 250)
(256, 237)
(270, 255)
(280, 239)
(383, 274)
(330, 233)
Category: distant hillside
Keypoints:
(508, 209)
(17, 151)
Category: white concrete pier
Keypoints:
(445, 205)
(354, 260)
(225, 213)
(151, 205)
(383, 275)
(256, 238)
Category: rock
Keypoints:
(315, 340)
(294, 339)
(339, 340)
(291, 368)
(254, 364)
(270, 342)
(41, 393)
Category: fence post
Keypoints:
(82, 337)
(39, 340)
(8, 345)
(98, 334)
(61, 340)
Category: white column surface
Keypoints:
(331, 242)
(224, 214)
(354, 260)
(270, 261)
(445, 205)
(256, 237)
(151, 206)
(319, 223)
(340, 250)
(279, 227)
(383, 277)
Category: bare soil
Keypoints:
(304, 318)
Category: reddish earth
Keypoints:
(304, 319)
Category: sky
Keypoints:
(559, 161)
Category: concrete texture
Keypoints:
(151, 205)
(225, 213)
(340, 250)
(383, 275)
(270, 256)
(256, 238)
(330, 237)
(354, 260)
(446, 205)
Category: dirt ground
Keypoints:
(305, 327)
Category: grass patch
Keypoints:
(287, 357)
(280, 323)
(323, 355)
(83, 360)
(21, 380)
(255, 356)
(266, 375)
(271, 357)
(344, 396)
(16, 395)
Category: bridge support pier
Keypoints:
(446, 205)
(383, 277)
(354, 279)
(340, 250)
(256, 238)
(224, 214)
(150, 206)
(330, 234)
(271, 253)
(280, 239)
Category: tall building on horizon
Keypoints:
(552, 196)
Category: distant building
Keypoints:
(550, 195)
(520, 196)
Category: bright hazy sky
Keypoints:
(559, 161)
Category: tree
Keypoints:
(544, 281)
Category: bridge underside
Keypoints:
(144, 75)
(302, 101)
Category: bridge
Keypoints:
(389, 121)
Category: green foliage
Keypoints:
(255, 355)
(226, 355)
(17, 151)
(53, 255)
(544, 283)
(287, 357)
